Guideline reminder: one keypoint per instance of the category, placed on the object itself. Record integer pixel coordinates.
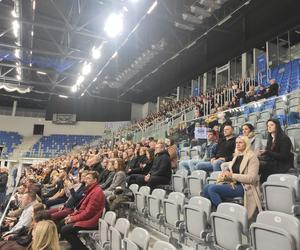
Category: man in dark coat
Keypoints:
(161, 171)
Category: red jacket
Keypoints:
(90, 208)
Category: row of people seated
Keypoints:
(277, 157)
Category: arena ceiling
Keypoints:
(44, 44)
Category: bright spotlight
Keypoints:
(114, 25)
(96, 53)
(16, 27)
(152, 7)
(80, 80)
(18, 77)
(86, 69)
(17, 53)
(74, 88)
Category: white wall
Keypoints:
(24, 126)
(148, 108)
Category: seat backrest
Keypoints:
(134, 188)
(154, 202)
(123, 226)
(275, 230)
(110, 218)
(179, 180)
(229, 223)
(140, 198)
(294, 131)
(163, 245)
(289, 179)
(140, 237)
(196, 181)
(196, 215)
(173, 206)
(241, 119)
(213, 177)
(194, 153)
(266, 114)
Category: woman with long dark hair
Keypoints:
(277, 157)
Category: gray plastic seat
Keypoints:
(241, 119)
(275, 231)
(154, 203)
(195, 182)
(134, 188)
(138, 240)
(184, 154)
(253, 117)
(162, 245)
(294, 100)
(196, 218)
(194, 153)
(279, 111)
(172, 209)
(229, 224)
(118, 233)
(213, 177)
(179, 180)
(283, 188)
(294, 131)
(261, 127)
(266, 114)
(140, 199)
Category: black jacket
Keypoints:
(161, 165)
(225, 148)
(75, 197)
(3, 182)
(281, 155)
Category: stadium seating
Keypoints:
(9, 141)
(54, 145)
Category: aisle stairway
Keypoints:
(25, 146)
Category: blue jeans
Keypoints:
(184, 164)
(216, 192)
(293, 118)
(208, 167)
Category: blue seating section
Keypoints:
(59, 144)
(9, 140)
(287, 76)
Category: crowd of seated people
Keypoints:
(231, 95)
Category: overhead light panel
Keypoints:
(114, 55)
(152, 7)
(96, 53)
(86, 69)
(80, 80)
(32, 33)
(41, 73)
(224, 20)
(14, 13)
(33, 4)
(63, 96)
(114, 25)
(17, 53)
(18, 77)
(74, 88)
(16, 27)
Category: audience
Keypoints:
(3, 184)
(255, 141)
(224, 152)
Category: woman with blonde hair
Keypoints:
(45, 236)
(239, 178)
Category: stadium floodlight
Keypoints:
(114, 25)
(86, 69)
(80, 80)
(14, 14)
(63, 96)
(96, 53)
(114, 54)
(18, 77)
(16, 27)
(74, 88)
(152, 7)
(17, 53)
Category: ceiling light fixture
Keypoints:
(14, 13)
(114, 55)
(41, 73)
(86, 69)
(96, 53)
(80, 80)
(152, 7)
(63, 96)
(114, 25)
(74, 88)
